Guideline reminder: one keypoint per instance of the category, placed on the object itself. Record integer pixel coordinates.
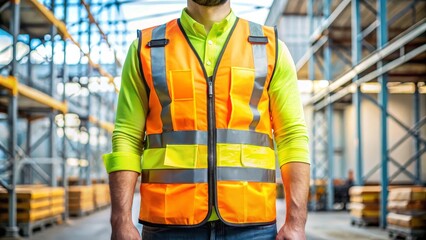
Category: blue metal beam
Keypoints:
(330, 113)
(356, 97)
(65, 72)
(51, 91)
(311, 73)
(12, 117)
(416, 105)
(382, 39)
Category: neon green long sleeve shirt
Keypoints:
(285, 105)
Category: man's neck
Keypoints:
(208, 15)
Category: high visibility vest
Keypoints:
(208, 138)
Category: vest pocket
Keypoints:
(242, 82)
(183, 99)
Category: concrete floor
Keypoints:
(320, 226)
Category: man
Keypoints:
(207, 91)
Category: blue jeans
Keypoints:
(215, 230)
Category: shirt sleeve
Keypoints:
(287, 115)
(128, 134)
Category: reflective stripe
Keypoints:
(245, 174)
(261, 70)
(158, 66)
(244, 137)
(174, 176)
(200, 137)
(200, 175)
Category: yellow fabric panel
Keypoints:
(243, 155)
(181, 156)
(175, 156)
(258, 157)
(228, 155)
(195, 156)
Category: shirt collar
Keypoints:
(195, 28)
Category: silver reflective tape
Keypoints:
(244, 137)
(261, 70)
(158, 68)
(200, 138)
(177, 138)
(245, 174)
(170, 176)
(174, 176)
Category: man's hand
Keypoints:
(295, 177)
(125, 231)
(290, 233)
(122, 187)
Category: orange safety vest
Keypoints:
(209, 138)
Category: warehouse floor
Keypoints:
(320, 226)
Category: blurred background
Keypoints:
(361, 66)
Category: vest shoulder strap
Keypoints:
(256, 34)
(158, 37)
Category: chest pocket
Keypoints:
(242, 83)
(183, 105)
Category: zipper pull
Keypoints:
(210, 87)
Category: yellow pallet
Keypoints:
(367, 198)
(406, 205)
(34, 204)
(28, 216)
(28, 193)
(364, 213)
(56, 210)
(81, 208)
(361, 190)
(27, 204)
(408, 221)
(57, 192)
(81, 205)
(57, 200)
(364, 206)
(408, 194)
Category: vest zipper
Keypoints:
(210, 82)
(211, 122)
(211, 141)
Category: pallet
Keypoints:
(81, 213)
(104, 206)
(26, 229)
(364, 222)
(396, 232)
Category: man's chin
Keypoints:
(210, 3)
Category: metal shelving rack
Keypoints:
(353, 42)
(24, 97)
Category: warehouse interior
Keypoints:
(361, 66)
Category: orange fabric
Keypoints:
(153, 121)
(246, 202)
(187, 115)
(238, 202)
(231, 96)
(171, 203)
